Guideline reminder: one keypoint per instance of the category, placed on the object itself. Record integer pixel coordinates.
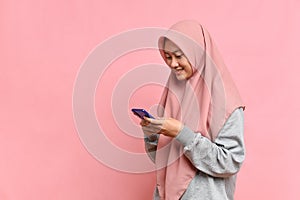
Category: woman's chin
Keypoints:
(180, 77)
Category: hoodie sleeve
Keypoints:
(224, 156)
(151, 145)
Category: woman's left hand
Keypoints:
(169, 127)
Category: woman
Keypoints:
(197, 144)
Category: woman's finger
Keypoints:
(149, 131)
(152, 128)
(144, 122)
(154, 121)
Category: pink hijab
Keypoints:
(203, 103)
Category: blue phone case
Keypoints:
(141, 113)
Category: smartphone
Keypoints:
(141, 113)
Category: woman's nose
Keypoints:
(174, 63)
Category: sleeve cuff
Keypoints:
(185, 136)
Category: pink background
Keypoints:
(43, 44)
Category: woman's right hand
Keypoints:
(169, 127)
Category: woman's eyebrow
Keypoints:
(178, 50)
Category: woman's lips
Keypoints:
(178, 70)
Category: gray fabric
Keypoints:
(217, 162)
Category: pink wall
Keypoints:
(44, 43)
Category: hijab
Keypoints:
(203, 103)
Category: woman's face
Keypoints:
(177, 61)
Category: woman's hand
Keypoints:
(169, 127)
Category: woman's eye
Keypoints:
(179, 56)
